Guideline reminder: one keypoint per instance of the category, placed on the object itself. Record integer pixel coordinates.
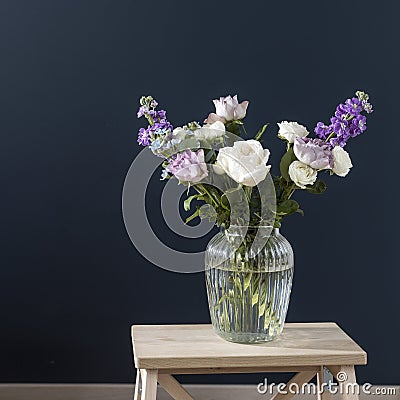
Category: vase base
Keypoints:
(245, 337)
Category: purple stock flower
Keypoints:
(142, 110)
(354, 106)
(159, 125)
(347, 121)
(322, 130)
(360, 124)
(341, 111)
(161, 114)
(340, 126)
(339, 140)
(144, 137)
(367, 106)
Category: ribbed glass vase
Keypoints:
(249, 280)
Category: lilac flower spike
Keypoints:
(158, 123)
(353, 106)
(322, 130)
(143, 137)
(348, 122)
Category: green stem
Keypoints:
(150, 119)
(244, 129)
(209, 195)
(247, 192)
(330, 137)
(287, 192)
(292, 190)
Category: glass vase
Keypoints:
(249, 280)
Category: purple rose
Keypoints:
(314, 152)
(188, 166)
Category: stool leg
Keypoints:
(299, 379)
(173, 387)
(138, 395)
(149, 384)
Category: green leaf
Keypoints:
(247, 279)
(225, 202)
(261, 132)
(286, 160)
(238, 285)
(186, 203)
(255, 289)
(318, 187)
(233, 127)
(262, 299)
(287, 207)
(254, 299)
(221, 300)
(210, 157)
(193, 216)
(300, 211)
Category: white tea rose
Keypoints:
(289, 130)
(301, 174)
(211, 133)
(245, 162)
(341, 160)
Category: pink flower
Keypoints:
(189, 166)
(227, 109)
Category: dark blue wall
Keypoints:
(71, 283)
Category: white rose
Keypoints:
(245, 162)
(178, 134)
(228, 109)
(211, 132)
(341, 160)
(289, 131)
(301, 174)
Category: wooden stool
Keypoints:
(161, 351)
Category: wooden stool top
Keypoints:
(197, 346)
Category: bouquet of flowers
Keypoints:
(221, 164)
(249, 264)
